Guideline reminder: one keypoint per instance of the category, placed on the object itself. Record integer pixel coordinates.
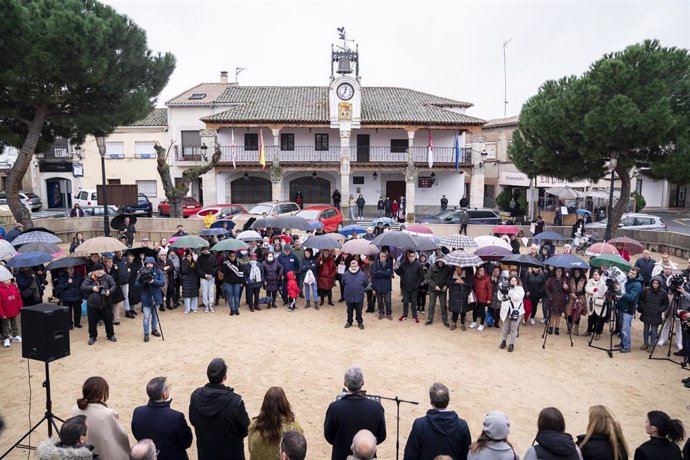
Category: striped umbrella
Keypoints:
(35, 237)
(632, 246)
(48, 248)
(462, 259)
(598, 249)
(458, 241)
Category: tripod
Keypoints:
(671, 333)
(544, 334)
(397, 419)
(158, 320)
(607, 312)
(47, 417)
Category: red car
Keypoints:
(220, 211)
(329, 216)
(189, 207)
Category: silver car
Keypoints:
(633, 221)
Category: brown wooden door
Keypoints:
(362, 148)
(395, 189)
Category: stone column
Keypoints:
(276, 174)
(276, 143)
(477, 178)
(410, 179)
(344, 169)
(208, 180)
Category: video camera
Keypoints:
(145, 275)
(504, 286)
(675, 282)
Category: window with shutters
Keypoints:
(251, 141)
(191, 143)
(148, 188)
(144, 150)
(115, 150)
(287, 141)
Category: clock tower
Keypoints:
(345, 93)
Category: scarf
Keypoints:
(254, 272)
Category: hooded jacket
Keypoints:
(653, 303)
(495, 450)
(292, 287)
(10, 301)
(151, 293)
(438, 433)
(273, 271)
(206, 264)
(633, 289)
(553, 445)
(354, 285)
(482, 289)
(437, 275)
(52, 449)
(220, 422)
(95, 299)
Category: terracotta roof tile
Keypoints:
(210, 92)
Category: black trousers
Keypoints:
(75, 311)
(173, 293)
(104, 314)
(463, 229)
(479, 313)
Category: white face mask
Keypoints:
(269, 258)
(354, 269)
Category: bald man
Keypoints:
(363, 446)
(143, 450)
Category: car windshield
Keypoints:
(309, 213)
(31, 195)
(261, 209)
(442, 215)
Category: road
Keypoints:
(677, 221)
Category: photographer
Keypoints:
(98, 288)
(150, 280)
(677, 285)
(512, 310)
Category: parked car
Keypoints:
(329, 216)
(86, 197)
(28, 199)
(96, 211)
(219, 210)
(452, 216)
(633, 221)
(142, 208)
(189, 207)
(267, 208)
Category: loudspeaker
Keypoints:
(45, 332)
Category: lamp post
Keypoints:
(100, 142)
(203, 148)
(613, 162)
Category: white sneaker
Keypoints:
(6, 343)
(211, 309)
(531, 321)
(660, 343)
(17, 339)
(473, 325)
(543, 321)
(481, 327)
(206, 310)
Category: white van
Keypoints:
(86, 197)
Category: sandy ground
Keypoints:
(307, 352)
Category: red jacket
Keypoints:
(10, 300)
(292, 287)
(482, 289)
(327, 271)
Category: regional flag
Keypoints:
(430, 152)
(262, 153)
(233, 149)
(457, 152)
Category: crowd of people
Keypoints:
(354, 425)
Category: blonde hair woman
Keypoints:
(603, 438)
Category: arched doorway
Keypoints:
(250, 190)
(315, 190)
(59, 193)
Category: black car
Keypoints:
(142, 208)
(452, 216)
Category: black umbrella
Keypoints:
(263, 222)
(38, 229)
(69, 261)
(293, 222)
(148, 252)
(522, 259)
(403, 240)
(117, 221)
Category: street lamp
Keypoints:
(613, 162)
(484, 155)
(100, 142)
(204, 147)
(77, 151)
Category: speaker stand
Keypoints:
(47, 417)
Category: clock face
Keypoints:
(345, 91)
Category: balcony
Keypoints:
(443, 156)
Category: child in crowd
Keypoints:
(10, 305)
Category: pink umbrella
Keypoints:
(419, 230)
(505, 230)
(598, 249)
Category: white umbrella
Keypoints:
(5, 274)
(564, 192)
(249, 235)
(6, 250)
(487, 240)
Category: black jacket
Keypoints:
(555, 445)
(345, 417)
(220, 422)
(438, 433)
(232, 272)
(598, 447)
(206, 265)
(535, 284)
(95, 299)
(70, 292)
(166, 427)
(411, 274)
(189, 280)
(658, 449)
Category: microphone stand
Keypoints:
(397, 419)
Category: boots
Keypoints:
(308, 305)
(503, 344)
(251, 308)
(577, 329)
(323, 299)
(453, 326)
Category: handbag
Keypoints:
(471, 298)
(84, 305)
(489, 320)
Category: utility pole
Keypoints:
(505, 80)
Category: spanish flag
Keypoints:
(262, 154)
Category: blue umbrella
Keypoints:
(383, 221)
(553, 236)
(352, 229)
(566, 261)
(29, 259)
(315, 225)
(583, 212)
(219, 224)
(213, 231)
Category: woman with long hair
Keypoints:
(76, 241)
(664, 433)
(552, 441)
(603, 438)
(459, 284)
(105, 433)
(493, 443)
(189, 283)
(556, 291)
(577, 304)
(596, 297)
(266, 429)
(512, 312)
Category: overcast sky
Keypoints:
(448, 48)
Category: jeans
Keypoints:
(360, 211)
(384, 301)
(442, 296)
(410, 298)
(351, 213)
(190, 304)
(232, 295)
(357, 308)
(150, 315)
(125, 292)
(310, 292)
(626, 330)
(649, 334)
(208, 294)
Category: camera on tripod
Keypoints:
(145, 275)
(675, 282)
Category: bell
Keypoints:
(344, 66)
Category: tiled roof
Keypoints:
(502, 122)
(309, 104)
(157, 117)
(210, 92)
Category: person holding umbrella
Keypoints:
(69, 284)
(411, 275)
(325, 279)
(459, 284)
(128, 230)
(151, 281)
(308, 270)
(556, 290)
(30, 283)
(98, 287)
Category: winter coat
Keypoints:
(52, 449)
(346, 416)
(633, 290)
(95, 299)
(380, 205)
(394, 207)
(307, 265)
(658, 449)
(70, 292)
(247, 270)
(73, 245)
(382, 276)
(458, 293)
(261, 448)
(553, 445)
(598, 447)
(535, 284)
(220, 422)
(151, 293)
(166, 427)
(273, 272)
(495, 301)
(464, 218)
(289, 262)
(437, 275)
(438, 433)
(596, 292)
(206, 264)
(653, 302)
(232, 272)
(495, 450)
(555, 293)
(190, 280)
(292, 286)
(122, 277)
(30, 287)
(577, 287)
(515, 245)
(10, 300)
(411, 275)
(116, 296)
(646, 267)
(105, 432)
(360, 202)
(516, 295)
(354, 285)
(351, 202)
(482, 289)
(325, 279)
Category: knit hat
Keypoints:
(98, 266)
(496, 425)
(150, 260)
(252, 255)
